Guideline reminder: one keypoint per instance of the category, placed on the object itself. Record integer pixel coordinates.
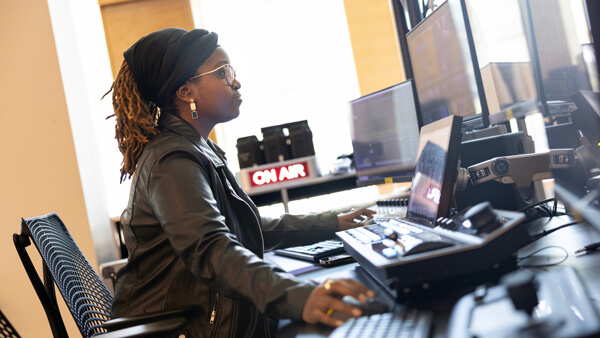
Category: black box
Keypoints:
(301, 141)
(249, 152)
(297, 143)
(275, 146)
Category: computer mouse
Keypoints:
(370, 307)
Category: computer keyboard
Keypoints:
(314, 252)
(416, 324)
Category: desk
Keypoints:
(546, 250)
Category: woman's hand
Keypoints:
(326, 298)
(347, 220)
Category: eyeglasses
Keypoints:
(229, 73)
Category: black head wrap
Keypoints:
(164, 60)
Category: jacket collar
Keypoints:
(176, 125)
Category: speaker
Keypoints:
(301, 141)
(249, 151)
(275, 147)
(297, 143)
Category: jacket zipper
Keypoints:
(213, 313)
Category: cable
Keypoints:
(519, 259)
(538, 203)
(546, 210)
(542, 210)
(548, 232)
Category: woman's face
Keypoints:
(216, 100)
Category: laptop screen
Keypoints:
(435, 171)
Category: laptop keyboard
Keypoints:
(315, 251)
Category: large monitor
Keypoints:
(446, 73)
(556, 51)
(504, 58)
(385, 134)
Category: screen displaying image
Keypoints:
(432, 182)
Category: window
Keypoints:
(294, 61)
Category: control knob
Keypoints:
(481, 218)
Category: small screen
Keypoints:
(436, 166)
(385, 134)
(443, 69)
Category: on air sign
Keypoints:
(278, 174)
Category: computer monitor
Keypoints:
(504, 58)
(446, 73)
(385, 134)
(557, 54)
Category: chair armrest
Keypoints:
(126, 322)
(157, 329)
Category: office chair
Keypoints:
(86, 296)
(6, 329)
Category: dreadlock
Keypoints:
(135, 119)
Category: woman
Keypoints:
(194, 237)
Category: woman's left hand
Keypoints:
(349, 220)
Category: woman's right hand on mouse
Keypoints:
(326, 298)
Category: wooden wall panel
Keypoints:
(374, 44)
(127, 21)
(376, 51)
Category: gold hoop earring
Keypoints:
(156, 117)
(193, 108)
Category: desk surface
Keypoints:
(554, 250)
